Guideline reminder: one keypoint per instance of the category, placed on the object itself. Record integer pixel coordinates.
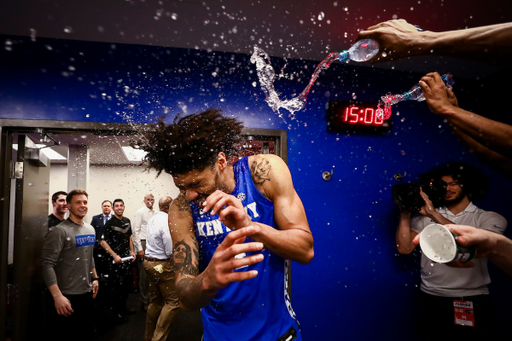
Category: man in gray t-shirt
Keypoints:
(448, 289)
(68, 270)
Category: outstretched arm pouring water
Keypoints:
(399, 39)
(488, 139)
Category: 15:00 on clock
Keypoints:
(356, 115)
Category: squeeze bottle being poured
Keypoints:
(361, 51)
(415, 93)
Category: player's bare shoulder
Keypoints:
(181, 204)
(267, 171)
(261, 168)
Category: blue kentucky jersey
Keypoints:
(256, 309)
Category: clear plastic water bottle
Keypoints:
(416, 93)
(361, 51)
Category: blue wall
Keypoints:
(357, 287)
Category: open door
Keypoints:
(26, 182)
(31, 173)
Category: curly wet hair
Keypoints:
(191, 142)
(473, 181)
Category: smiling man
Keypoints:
(68, 270)
(238, 223)
(118, 243)
(60, 208)
(446, 286)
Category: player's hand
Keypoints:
(220, 271)
(133, 255)
(229, 208)
(452, 98)
(452, 264)
(483, 240)
(396, 39)
(436, 94)
(63, 306)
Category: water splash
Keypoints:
(267, 76)
(385, 112)
(415, 94)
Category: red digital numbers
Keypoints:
(363, 116)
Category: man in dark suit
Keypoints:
(98, 222)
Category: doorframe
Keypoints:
(9, 126)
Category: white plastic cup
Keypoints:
(439, 245)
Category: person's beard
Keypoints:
(455, 200)
(201, 197)
(219, 185)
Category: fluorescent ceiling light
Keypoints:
(50, 153)
(133, 154)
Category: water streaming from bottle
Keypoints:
(361, 51)
(267, 76)
(415, 93)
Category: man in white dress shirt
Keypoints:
(141, 219)
(163, 300)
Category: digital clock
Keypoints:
(356, 115)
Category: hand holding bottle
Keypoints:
(368, 48)
(416, 92)
(440, 98)
(397, 39)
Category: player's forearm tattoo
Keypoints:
(189, 270)
(196, 249)
(183, 261)
(260, 171)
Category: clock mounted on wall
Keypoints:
(356, 116)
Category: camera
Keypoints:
(408, 198)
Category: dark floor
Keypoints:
(188, 326)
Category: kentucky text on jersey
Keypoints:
(258, 309)
(215, 227)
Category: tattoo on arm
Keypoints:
(196, 250)
(189, 270)
(189, 285)
(182, 204)
(260, 171)
(183, 258)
